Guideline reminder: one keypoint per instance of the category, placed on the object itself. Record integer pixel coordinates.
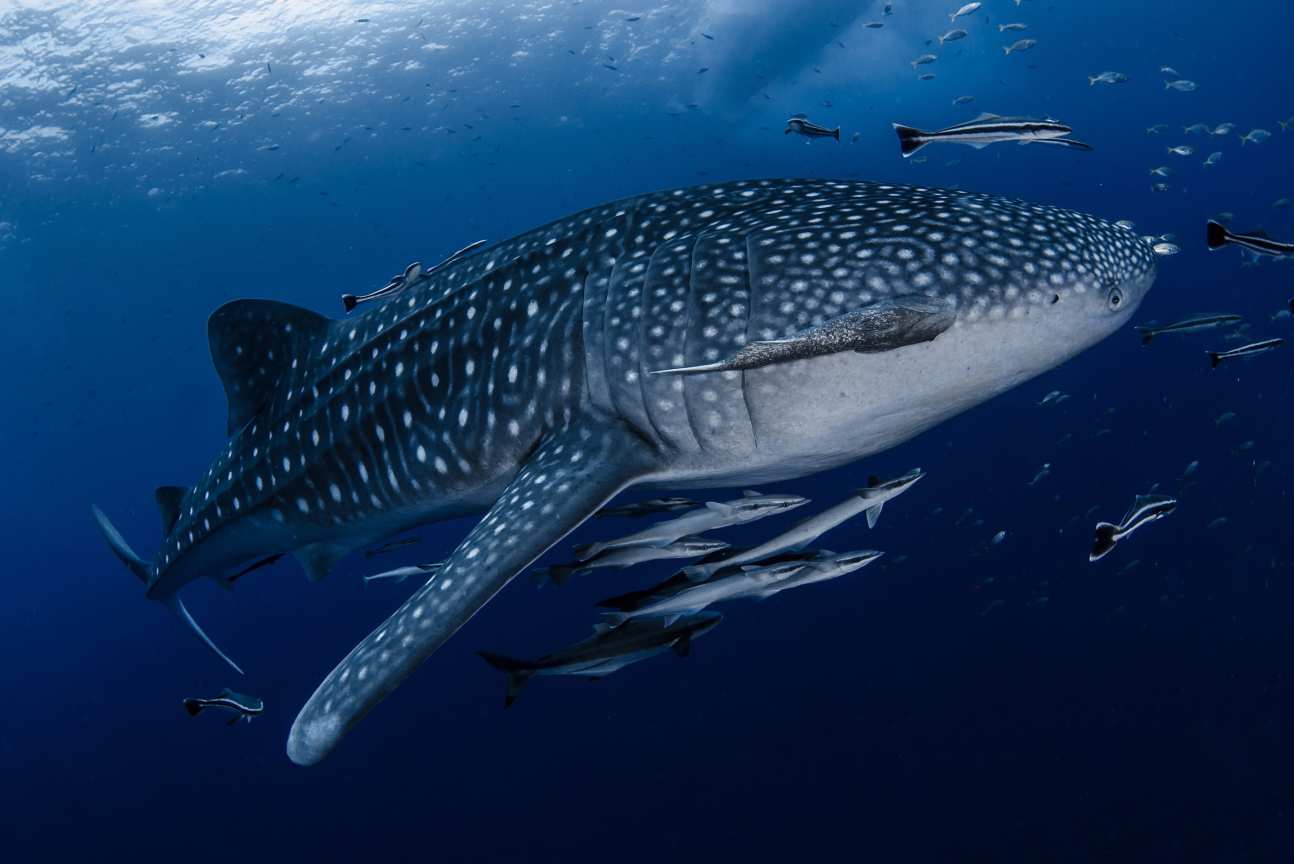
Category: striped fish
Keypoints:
(1216, 357)
(1256, 241)
(989, 129)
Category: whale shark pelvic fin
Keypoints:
(570, 476)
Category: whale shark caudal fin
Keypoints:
(253, 344)
(572, 474)
(518, 671)
(140, 568)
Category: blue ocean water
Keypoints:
(961, 700)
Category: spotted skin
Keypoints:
(448, 397)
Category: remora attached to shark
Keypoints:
(517, 381)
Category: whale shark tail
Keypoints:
(1105, 540)
(141, 569)
(518, 672)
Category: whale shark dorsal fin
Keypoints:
(168, 502)
(253, 343)
(570, 476)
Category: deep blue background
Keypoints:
(959, 701)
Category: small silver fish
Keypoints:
(1255, 136)
(1181, 150)
(1019, 45)
(924, 59)
(1002, 28)
(1166, 249)
(1181, 85)
(1107, 78)
(1213, 159)
(952, 36)
(1224, 128)
(1161, 171)
(809, 129)
(968, 9)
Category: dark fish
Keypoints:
(264, 562)
(1216, 357)
(801, 125)
(244, 707)
(1256, 241)
(607, 650)
(1194, 324)
(647, 508)
(412, 274)
(391, 546)
(1145, 509)
(984, 130)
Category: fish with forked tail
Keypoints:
(1145, 509)
(870, 500)
(1217, 358)
(608, 650)
(804, 126)
(242, 706)
(1194, 324)
(1218, 235)
(989, 129)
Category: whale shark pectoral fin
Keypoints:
(565, 481)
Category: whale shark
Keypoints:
(536, 379)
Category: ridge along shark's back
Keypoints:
(740, 332)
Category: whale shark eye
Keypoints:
(1116, 298)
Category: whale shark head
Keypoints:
(976, 295)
